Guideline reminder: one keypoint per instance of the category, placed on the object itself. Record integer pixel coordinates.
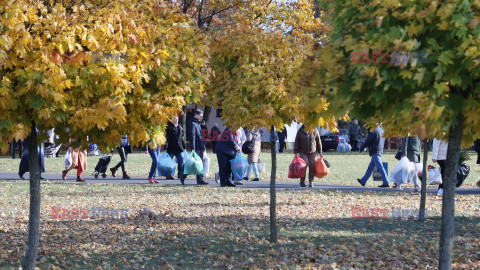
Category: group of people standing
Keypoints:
(226, 146)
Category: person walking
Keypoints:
(79, 161)
(175, 145)
(307, 146)
(354, 133)
(254, 136)
(439, 155)
(226, 149)
(24, 166)
(476, 147)
(13, 148)
(123, 151)
(375, 143)
(155, 155)
(215, 135)
(196, 143)
(411, 149)
(282, 136)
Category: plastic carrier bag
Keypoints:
(404, 172)
(166, 165)
(298, 168)
(193, 164)
(239, 166)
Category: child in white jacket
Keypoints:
(439, 155)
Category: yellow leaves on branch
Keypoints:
(60, 58)
(257, 64)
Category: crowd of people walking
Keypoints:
(228, 144)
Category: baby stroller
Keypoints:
(102, 166)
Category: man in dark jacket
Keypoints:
(196, 143)
(354, 134)
(175, 145)
(375, 143)
(226, 149)
(282, 136)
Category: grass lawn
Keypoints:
(346, 166)
(204, 227)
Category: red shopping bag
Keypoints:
(321, 169)
(297, 168)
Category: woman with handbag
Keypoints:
(253, 143)
(123, 150)
(307, 146)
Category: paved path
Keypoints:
(71, 178)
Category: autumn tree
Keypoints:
(414, 66)
(209, 15)
(97, 68)
(256, 62)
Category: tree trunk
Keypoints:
(448, 207)
(34, 217)
(206, 114)
(423, 196)
(273, 195)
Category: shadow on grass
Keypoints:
(152, 241)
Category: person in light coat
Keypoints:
(439, 155)
(255, 137)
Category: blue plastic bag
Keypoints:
(165, 166)
(239, 166)
(184, 155)
(193, 164)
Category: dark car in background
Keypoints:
(331, 140)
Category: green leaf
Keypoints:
(446, 57)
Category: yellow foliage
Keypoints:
(101, 70)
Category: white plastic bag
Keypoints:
(206, 165)
(348, 147)
(68, 159)
(434, 176)
(341, 147)
(420, 169)
(404, 172)
(260, 166)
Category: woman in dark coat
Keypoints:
(307, 146)
(226, 149)
(176, 145)
(24, 167)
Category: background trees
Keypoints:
(413, 66)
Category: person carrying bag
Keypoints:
(307, 146)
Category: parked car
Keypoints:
(331, 140)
